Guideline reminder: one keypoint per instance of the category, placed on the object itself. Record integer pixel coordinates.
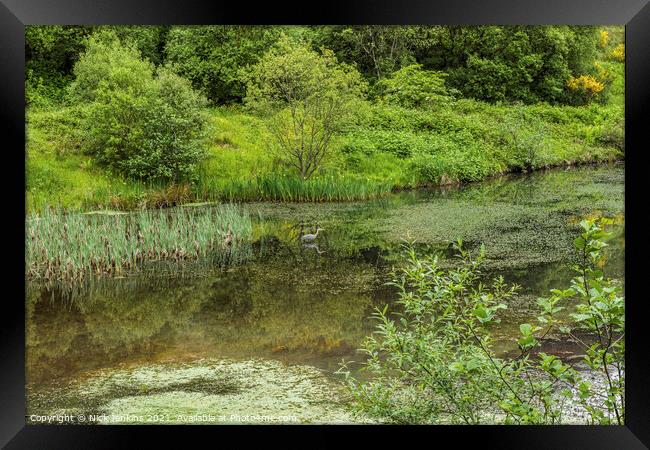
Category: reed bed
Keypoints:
(286, 188)
(71, 246)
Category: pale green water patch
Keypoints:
(300, 305)
(204, 391)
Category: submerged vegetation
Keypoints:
(435, 361)
(71, 246)
(207, 391)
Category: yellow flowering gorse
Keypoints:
(585, 83)
(618, 53)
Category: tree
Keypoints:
(140, 123)
(149, 39)
(308, 94)
(506, 63)
(211, 57)
(50, 54)
(376, 50)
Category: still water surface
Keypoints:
(266, 335)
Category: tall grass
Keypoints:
(287, 188)
(72, 246)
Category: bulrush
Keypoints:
(66, 246)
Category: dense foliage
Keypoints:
(50, 54)
(442, 105)
(490, 63)
(309, 95)
(212, 57)
(530, 64)
(52, 51)
(435, 362)
(142, 124)
(412, 87)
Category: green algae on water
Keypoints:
(210, 390)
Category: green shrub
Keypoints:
(399, 143)
(523, 136)
(452, 162)
(430, 169)
(412, 87)
(62, 125)
(612, 134)
(143, 125)
(111, 65)
(433, 361)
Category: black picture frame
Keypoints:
(15, 14)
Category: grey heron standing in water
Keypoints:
(311, 237)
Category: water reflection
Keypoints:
(309, 303)
(293, 304)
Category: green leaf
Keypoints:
(527, 341)
(579, 243)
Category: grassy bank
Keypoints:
(72, 246)
(386, 147)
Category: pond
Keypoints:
(260, 341)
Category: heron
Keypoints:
(311, 237)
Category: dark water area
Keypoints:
(309, 304)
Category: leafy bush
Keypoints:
(585, 86)
(524, 137)
(451, 161)
(603, 39)
(63, 125)
(402, 144)
(143, 125)
(412, 87)
(111, 66)
(432, 169)
(434, 361)
(612, 134)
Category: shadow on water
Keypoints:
(308, 304)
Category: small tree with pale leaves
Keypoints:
(308, 95)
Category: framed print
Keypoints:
(373, 217)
